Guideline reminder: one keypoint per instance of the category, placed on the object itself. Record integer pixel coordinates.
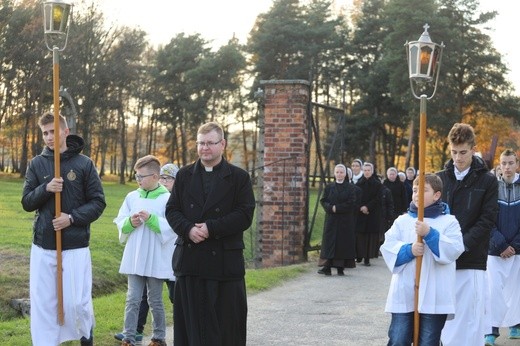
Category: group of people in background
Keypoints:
(359, 208)
(190, 237)
(469, 242)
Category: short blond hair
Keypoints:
(211, 126)
(150, 162)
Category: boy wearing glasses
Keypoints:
(167, 179)
(149, 248)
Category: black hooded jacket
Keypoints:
(474, 202)
(82, 196)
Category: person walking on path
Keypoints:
(471, 192)
(368, 224)
(150, 240)
(503, 262)
(211, 206)
(442, 245)
(82, 202)
(341, 203)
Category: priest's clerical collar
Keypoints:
(211, 169)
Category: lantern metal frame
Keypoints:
(57, 15)
(424, 62)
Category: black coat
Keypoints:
(408, 185)
(474, 202)
(371, 198)
(227, 211)
(82, 196)
(387, 209)
(339, 237)
(399, 197)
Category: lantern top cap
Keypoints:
(425, 36)
(64, 2)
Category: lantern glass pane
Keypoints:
(47, 18)
(435, 60)
(57, 17)
(65, 19)
(426, 53)
(413, 60)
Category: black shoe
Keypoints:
(87, 342)
(367, 263)
(325, 271)
(358, 260)
(340, 272)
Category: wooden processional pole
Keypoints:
(420, 213)
(57, 174)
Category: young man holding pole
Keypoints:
(471, 192)
(82, 202)
(441, 246)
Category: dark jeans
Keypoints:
(400, 332)
(143, 312)
(144, 307)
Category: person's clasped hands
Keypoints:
(199, 233)
(139, 218)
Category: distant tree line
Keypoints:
(133, 98)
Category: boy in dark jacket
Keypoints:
(471, 193)
(82, 202)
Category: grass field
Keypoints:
(109, 287)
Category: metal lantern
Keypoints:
(56, 20)
(424, 59)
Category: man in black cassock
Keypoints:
(211, 205)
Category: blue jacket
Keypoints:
(507, 230)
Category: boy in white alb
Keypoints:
(441, 246)
(503, 262)
(149, 248)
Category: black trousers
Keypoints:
(209, 312)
